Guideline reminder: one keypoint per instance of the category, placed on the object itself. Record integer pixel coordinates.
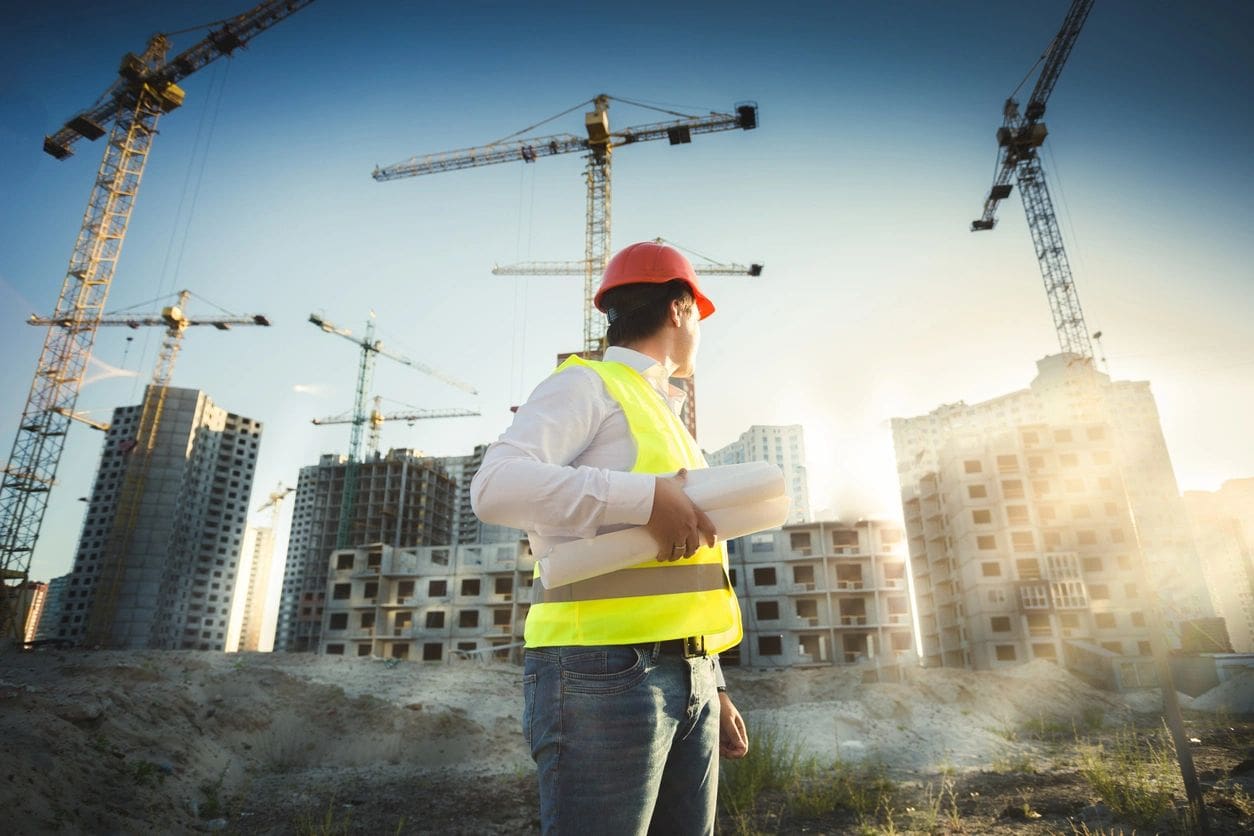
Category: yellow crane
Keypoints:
(175, 320)
(128, 111)
(376, 419)
(597, 148)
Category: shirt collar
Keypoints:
(651, 370)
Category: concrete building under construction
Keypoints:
(402, 499)
(1223, 527)
(823, 593)
(1022, 515)
(178, 571)
(427, 603)
(467, 528)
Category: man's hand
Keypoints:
(678, 526)
(733, 740)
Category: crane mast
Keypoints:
(598, 148)
(1019, 139)
(145, 89)
(370, 350)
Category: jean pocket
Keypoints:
(602, 670)
(529, 702)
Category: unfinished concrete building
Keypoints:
(783, 446)
(823, 593)
(403, 499)
(1019, 513)
(427, 603)
(179, 572)
(1223, 527)
(468, 528)
(51, 615)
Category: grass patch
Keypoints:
(1137, 779)
(776, 780)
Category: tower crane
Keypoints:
(377, 419)
(597, 148)
(579, 268)
(131, 493)
(1018, 141)
(370, 350)
(128, 111)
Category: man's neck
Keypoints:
(656, 349)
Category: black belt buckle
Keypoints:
(694, 646)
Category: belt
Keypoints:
(690, 647)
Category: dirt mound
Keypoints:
(1235, 696)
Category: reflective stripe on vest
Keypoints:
(650, 601)
(632, 583)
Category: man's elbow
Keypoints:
(484, 501)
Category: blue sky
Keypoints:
(874, 153)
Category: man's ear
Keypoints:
(677, 312)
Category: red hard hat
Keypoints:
(651, 263)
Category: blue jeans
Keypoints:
(625, 740)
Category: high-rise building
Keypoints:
(1223, 527)
(467, 528)
(51, 615)
(402, 499)
(783, 446)
(177, 574)
(1023, 515)
(252, 593)
(823, 593)
(26, 603)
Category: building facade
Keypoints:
(252, 592)
(467, 528)
(783, 446)
(177, 576)
(402, 499)
(1023, 515)
(1223, 528)
(823, 593)
(51, 616)
(427, 603)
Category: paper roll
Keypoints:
(733, 484)
(579, 560)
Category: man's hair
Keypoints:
(638, 311)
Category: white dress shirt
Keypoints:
(560, 472)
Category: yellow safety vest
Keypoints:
(650, 601)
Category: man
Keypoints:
(624, 706)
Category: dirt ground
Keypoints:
(174, 742)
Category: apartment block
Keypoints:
(179, 571)
(26, 602)
(427, 603)
(823, 593)
(1223, 527)
(249, 609)
(51, 616)
(466, 527)
(1023, 514)
(402, 499)
(783, 446)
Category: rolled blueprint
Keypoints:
(579, 560)
(733, 484)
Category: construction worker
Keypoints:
(625, 709)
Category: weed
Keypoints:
(1137, 781)
(212, 807)
(863, 790)
(1017, 764)
(147, 774)
(774, 762)
(329, 824)
(1092, 718)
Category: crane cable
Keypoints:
(209, 115)
(542, 122)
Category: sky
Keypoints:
(874, 152)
